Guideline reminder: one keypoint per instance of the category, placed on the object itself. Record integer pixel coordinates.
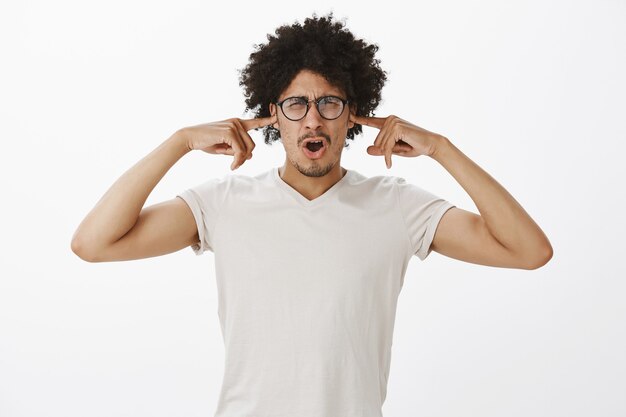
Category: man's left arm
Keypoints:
(502, 221)
(502, 235)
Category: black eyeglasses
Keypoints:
(329, 107)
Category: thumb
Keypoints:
(374, 150)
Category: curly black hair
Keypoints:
(324, 47)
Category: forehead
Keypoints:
(310, 84)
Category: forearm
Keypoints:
(118, 209)
(504, 217)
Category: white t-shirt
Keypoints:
(307, 289)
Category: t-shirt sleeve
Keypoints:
(421, 211)
(205, 201)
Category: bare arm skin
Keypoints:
(118, 212)
(502, 235)
(118, 229)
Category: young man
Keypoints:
(310, 257)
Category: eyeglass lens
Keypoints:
(329, 107)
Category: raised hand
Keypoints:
(226, 137)
(398, 137)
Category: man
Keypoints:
(310, 257)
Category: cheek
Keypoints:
(289, 141)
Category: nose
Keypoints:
(313, 119)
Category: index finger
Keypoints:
(258, 122)
(376, 122)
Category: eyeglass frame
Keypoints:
(317, 106)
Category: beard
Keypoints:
(314, 168)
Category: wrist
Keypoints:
(180, 140)
(439, 146)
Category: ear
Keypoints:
(353, 113)
(273, 109)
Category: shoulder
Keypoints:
(374, 182)
(376, 192)
(238, 181)
(394, 185)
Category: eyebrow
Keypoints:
(306, 98)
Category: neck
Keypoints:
(310, 187)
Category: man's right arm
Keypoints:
(118, 229)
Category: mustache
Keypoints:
(315, 135)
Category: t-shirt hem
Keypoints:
(426, 248)
(198, 248)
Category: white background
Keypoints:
(533, 92)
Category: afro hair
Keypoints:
(321, 46)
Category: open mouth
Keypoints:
(315, 146)
(314, 149)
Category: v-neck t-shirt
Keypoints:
(308, 289)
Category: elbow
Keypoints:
(80, 251)
(543, 259)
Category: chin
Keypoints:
(314, 169)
